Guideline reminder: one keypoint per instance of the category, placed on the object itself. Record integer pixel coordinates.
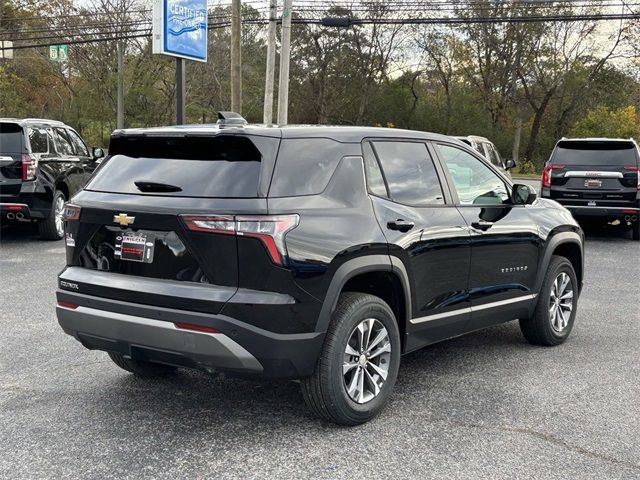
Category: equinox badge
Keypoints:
(123, 219)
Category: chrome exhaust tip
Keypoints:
(10, 216)
(634, 218)
(19, 215)
(627, 218)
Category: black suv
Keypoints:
(42, 164)
(317, 253)
(597, 179)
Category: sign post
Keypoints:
(180, 30)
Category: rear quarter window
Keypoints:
(305, 165)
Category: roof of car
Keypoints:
(32, 121)
(339, 133)
(472, 137)
(596, 139)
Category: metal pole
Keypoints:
(180, 91)
(120, 92)
(271, 64)
(236, 58)
(285, 54)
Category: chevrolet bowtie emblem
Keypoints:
(123, 219)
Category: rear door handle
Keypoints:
(482, 225)
(402, 225)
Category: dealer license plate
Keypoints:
(134, 247)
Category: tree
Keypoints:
(603, 122)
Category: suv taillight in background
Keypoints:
(29, 167)
(269, 229)
(546, 174)
(71, 213)
(635, 169)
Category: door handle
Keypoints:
(402, 225)
(482, 225)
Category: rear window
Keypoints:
(594, 153)
(11, 138)
(222, 167)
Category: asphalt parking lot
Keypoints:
(487, 405)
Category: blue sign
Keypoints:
(180, 28)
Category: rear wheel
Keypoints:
(139, 368)
(555, 312)
(52, 227)
(635, 230)
(358, 366)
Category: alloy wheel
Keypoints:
(561, 302)
(366, 360)
(58, 216)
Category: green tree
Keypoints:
(603, 122)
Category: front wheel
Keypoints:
(555, 312)
(359, 362)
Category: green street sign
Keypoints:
(59, 53)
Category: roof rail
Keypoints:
(231, 118)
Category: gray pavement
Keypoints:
(486, 405)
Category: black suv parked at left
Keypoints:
(42, 164)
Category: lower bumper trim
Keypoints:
(107, 330)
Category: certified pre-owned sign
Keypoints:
(180, 28)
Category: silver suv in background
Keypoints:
(488, 150)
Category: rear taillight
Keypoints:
(29, 167)
(546, 174)
(269, 229)
(71, 213)
(635, 169)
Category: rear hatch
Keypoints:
(133, 218)
(12, 147)
(587, 171)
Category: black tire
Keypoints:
(325, 392)
(139, 368)
(539, 329)
(47, 226)
(635, 230)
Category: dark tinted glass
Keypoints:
(224, 166)
(38, 140)
(594, 153)
(78, 145)
(305, 166)
(410, 173)
(63, 142)
(375, 182)
(10, 138)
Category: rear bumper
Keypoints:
(596, 211)
(149, 333)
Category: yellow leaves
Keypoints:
(603, 122)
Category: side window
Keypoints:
(38, 140)
(64, 144)
(79, 147)
(475, 183)
(410, 172)
(477, 146)
(375, 182)
(492, 155)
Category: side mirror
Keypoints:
(522, 194)
(98, 153)
(509, 164)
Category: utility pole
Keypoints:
(285, 56)
(236, 57)
(271, 64)
(180, 91)
(120, 87)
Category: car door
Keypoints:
(505, 241)
(425, 231)
(81, 150)
(72, 169)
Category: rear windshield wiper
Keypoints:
(156, 187)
